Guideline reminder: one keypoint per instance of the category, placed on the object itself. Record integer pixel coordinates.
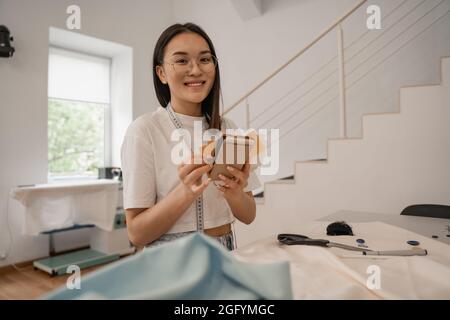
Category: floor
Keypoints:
(25, 283)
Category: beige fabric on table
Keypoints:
(333, 273)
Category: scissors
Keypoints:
(293, 239)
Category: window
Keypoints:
(78, 114)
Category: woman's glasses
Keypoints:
(206, 63)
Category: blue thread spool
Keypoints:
(413, 242)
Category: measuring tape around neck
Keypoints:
(199, 201)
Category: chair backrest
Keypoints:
(427, 210)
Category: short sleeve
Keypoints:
(253, 181)
(138, 172)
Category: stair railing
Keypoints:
(341, 62)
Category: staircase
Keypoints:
(318, 94)
(402, 157)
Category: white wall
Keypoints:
(23, 89)
(250, 50)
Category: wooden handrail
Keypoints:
(324, 33)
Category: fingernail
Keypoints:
(230, 168)
(221, 176)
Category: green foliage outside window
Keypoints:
(75, 138)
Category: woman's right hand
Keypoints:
(191, 177)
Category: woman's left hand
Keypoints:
(237, 183)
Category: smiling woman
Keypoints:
(163, 200)
(186, 72)
(194, 68)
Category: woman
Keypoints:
(163, 200)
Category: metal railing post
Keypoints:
(341, 65)
(247, 113)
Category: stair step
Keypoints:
(313, 161)
(288, 179)
(259, 195)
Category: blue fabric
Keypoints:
(193, 267)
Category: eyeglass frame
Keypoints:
(216, 62)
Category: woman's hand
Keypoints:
(191, 178)
(237, 184)
(241, 203)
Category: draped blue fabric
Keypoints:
(192, 267)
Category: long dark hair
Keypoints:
(210, 106)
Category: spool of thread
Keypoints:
(413, 242)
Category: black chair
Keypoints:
(427, 210)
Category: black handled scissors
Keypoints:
(298, 239)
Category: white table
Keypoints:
(57, 207)
(61, 205)
(333, 273)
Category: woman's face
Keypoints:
(184, 68)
